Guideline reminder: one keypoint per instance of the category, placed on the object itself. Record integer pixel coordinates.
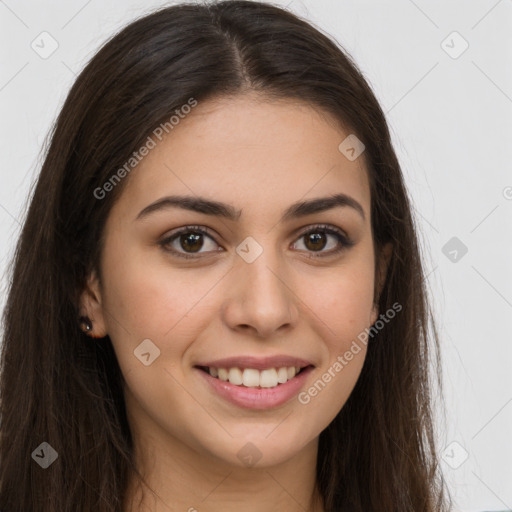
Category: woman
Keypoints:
(217, 298)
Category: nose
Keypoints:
(260, 298)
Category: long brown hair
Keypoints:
(59, 387)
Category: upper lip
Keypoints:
(258, 363)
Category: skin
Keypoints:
(260, 156)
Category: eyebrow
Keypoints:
(218, 209)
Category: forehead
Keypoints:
(249, 151)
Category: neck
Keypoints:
(177, 477)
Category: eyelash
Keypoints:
(323, 228)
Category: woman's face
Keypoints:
(256, 285)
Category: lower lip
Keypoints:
(257, 398)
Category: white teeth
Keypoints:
(235, 376)
(253, 378)
(282, 375)
(268, 378)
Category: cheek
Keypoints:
(342, 302)
(148, 301)
(329, 390)
(341, 306)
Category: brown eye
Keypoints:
(317, 239)
(191, 241)
(188, 241)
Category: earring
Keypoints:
(86, 326)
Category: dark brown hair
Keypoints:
(57, 386)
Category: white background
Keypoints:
(451, 120)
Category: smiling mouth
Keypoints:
(253, 378)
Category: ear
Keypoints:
(382, 271)
(91, 305)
